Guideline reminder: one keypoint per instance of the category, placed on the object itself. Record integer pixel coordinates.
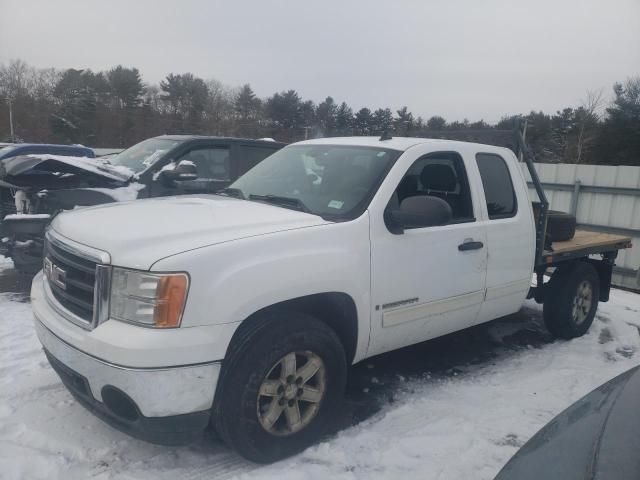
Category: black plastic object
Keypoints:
(418, 212)
(561, 226)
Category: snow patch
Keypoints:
(167, 168)
(440, 425)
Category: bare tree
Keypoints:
(219, 108)
(15, 82)
(587, 118)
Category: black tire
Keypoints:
(560, 293)
(255, 351)
(26, 268)
(561, 226)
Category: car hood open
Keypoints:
(137, 234)
(51, 172)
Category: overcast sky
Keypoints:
(455, 58)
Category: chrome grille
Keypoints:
(71, 280)
(77, 282)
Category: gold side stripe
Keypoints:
(507, 289)
(425, 310)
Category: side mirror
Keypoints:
(418, 212)
(185, 170)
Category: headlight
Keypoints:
(153, 300)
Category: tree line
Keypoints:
(115, 108)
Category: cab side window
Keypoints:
(249, 156)
(441, 175)
(212, 162)
(498, 187)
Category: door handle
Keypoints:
(470, 244)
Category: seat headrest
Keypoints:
(408, 186)
(438, 177)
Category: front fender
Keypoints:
(233, 280)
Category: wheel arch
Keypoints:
(336, 309)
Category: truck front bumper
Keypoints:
(168, 405)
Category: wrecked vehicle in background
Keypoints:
(35, 188)
(16, 149)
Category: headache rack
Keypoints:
(541, 208)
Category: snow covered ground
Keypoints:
(453, 408)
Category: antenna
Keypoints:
(385, 136)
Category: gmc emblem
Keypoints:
(55, 274)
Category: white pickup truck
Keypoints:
(243, 310)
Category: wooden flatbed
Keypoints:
(585, 243)
(568, 256)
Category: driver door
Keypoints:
(213, 164)
(427, 282)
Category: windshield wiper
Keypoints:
(231, 192)
(287, 202)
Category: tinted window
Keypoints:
(439, 175)
(498, 188)
(251, 156)
(212, 162)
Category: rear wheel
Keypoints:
(281, 386)
(571, 300)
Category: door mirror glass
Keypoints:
(418, 212)
(186, 170)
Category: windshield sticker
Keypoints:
(335, 204)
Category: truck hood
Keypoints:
(138, 234)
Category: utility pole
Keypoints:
(306, 132)
(13, 140)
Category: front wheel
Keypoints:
(281, 386)
(571, 300)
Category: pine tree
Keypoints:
(363, 122)
(404, 122)
(326, 115)
(247, 108)
(344, 120)
(382, 121)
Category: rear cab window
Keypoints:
(498, 186)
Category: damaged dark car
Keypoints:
(35, 188)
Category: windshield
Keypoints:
(143, 154)
(330, 181)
